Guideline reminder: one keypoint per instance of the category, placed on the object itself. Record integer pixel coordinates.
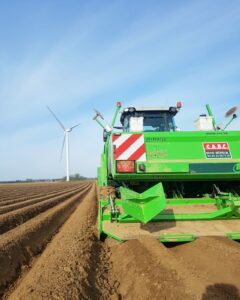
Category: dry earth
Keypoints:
(49, 250)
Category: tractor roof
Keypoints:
(135, 110)
(151, 108)
(171, 109)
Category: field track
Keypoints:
(49, 250)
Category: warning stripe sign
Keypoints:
(129, 147)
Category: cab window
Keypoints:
(149, 122)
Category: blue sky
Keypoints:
(76, 55)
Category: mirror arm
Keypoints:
(99, 122)
(233, 118)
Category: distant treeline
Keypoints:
(72, 178)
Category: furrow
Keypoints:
(14, 206)
(17, 217)
(19, 246)
(21, 191)
(62, 271)
(12, 199)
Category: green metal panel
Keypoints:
(179, 238)
(144, 206)
(233, 235)
(170, 156)
(144, 177)
(161, 167)
(228, 209)
(216, 215)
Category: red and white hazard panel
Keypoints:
(129, 147)
(217, 150)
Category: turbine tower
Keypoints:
(65, 140)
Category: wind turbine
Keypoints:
(65, 140)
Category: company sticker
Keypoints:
(217, 150)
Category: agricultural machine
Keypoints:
(155, 179)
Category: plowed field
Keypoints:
(49, 250)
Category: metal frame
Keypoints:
(227, 208)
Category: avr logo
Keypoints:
(216, 146)
(217, 150)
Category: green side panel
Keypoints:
(182, 156)
(155, 167)
(99, 176)
(102, 172)
(144, 206)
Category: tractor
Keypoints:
(155, 179)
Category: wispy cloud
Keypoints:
(144, 53)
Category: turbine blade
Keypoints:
(63, 144)
(59, 122)
(75, 126)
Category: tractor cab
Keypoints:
(150, 119)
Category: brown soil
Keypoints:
(75, 265)
(27, 190)
(16, 204)
(208, 268)
(18, 246)
(19, 216)
(215, 262)
(147, 270)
